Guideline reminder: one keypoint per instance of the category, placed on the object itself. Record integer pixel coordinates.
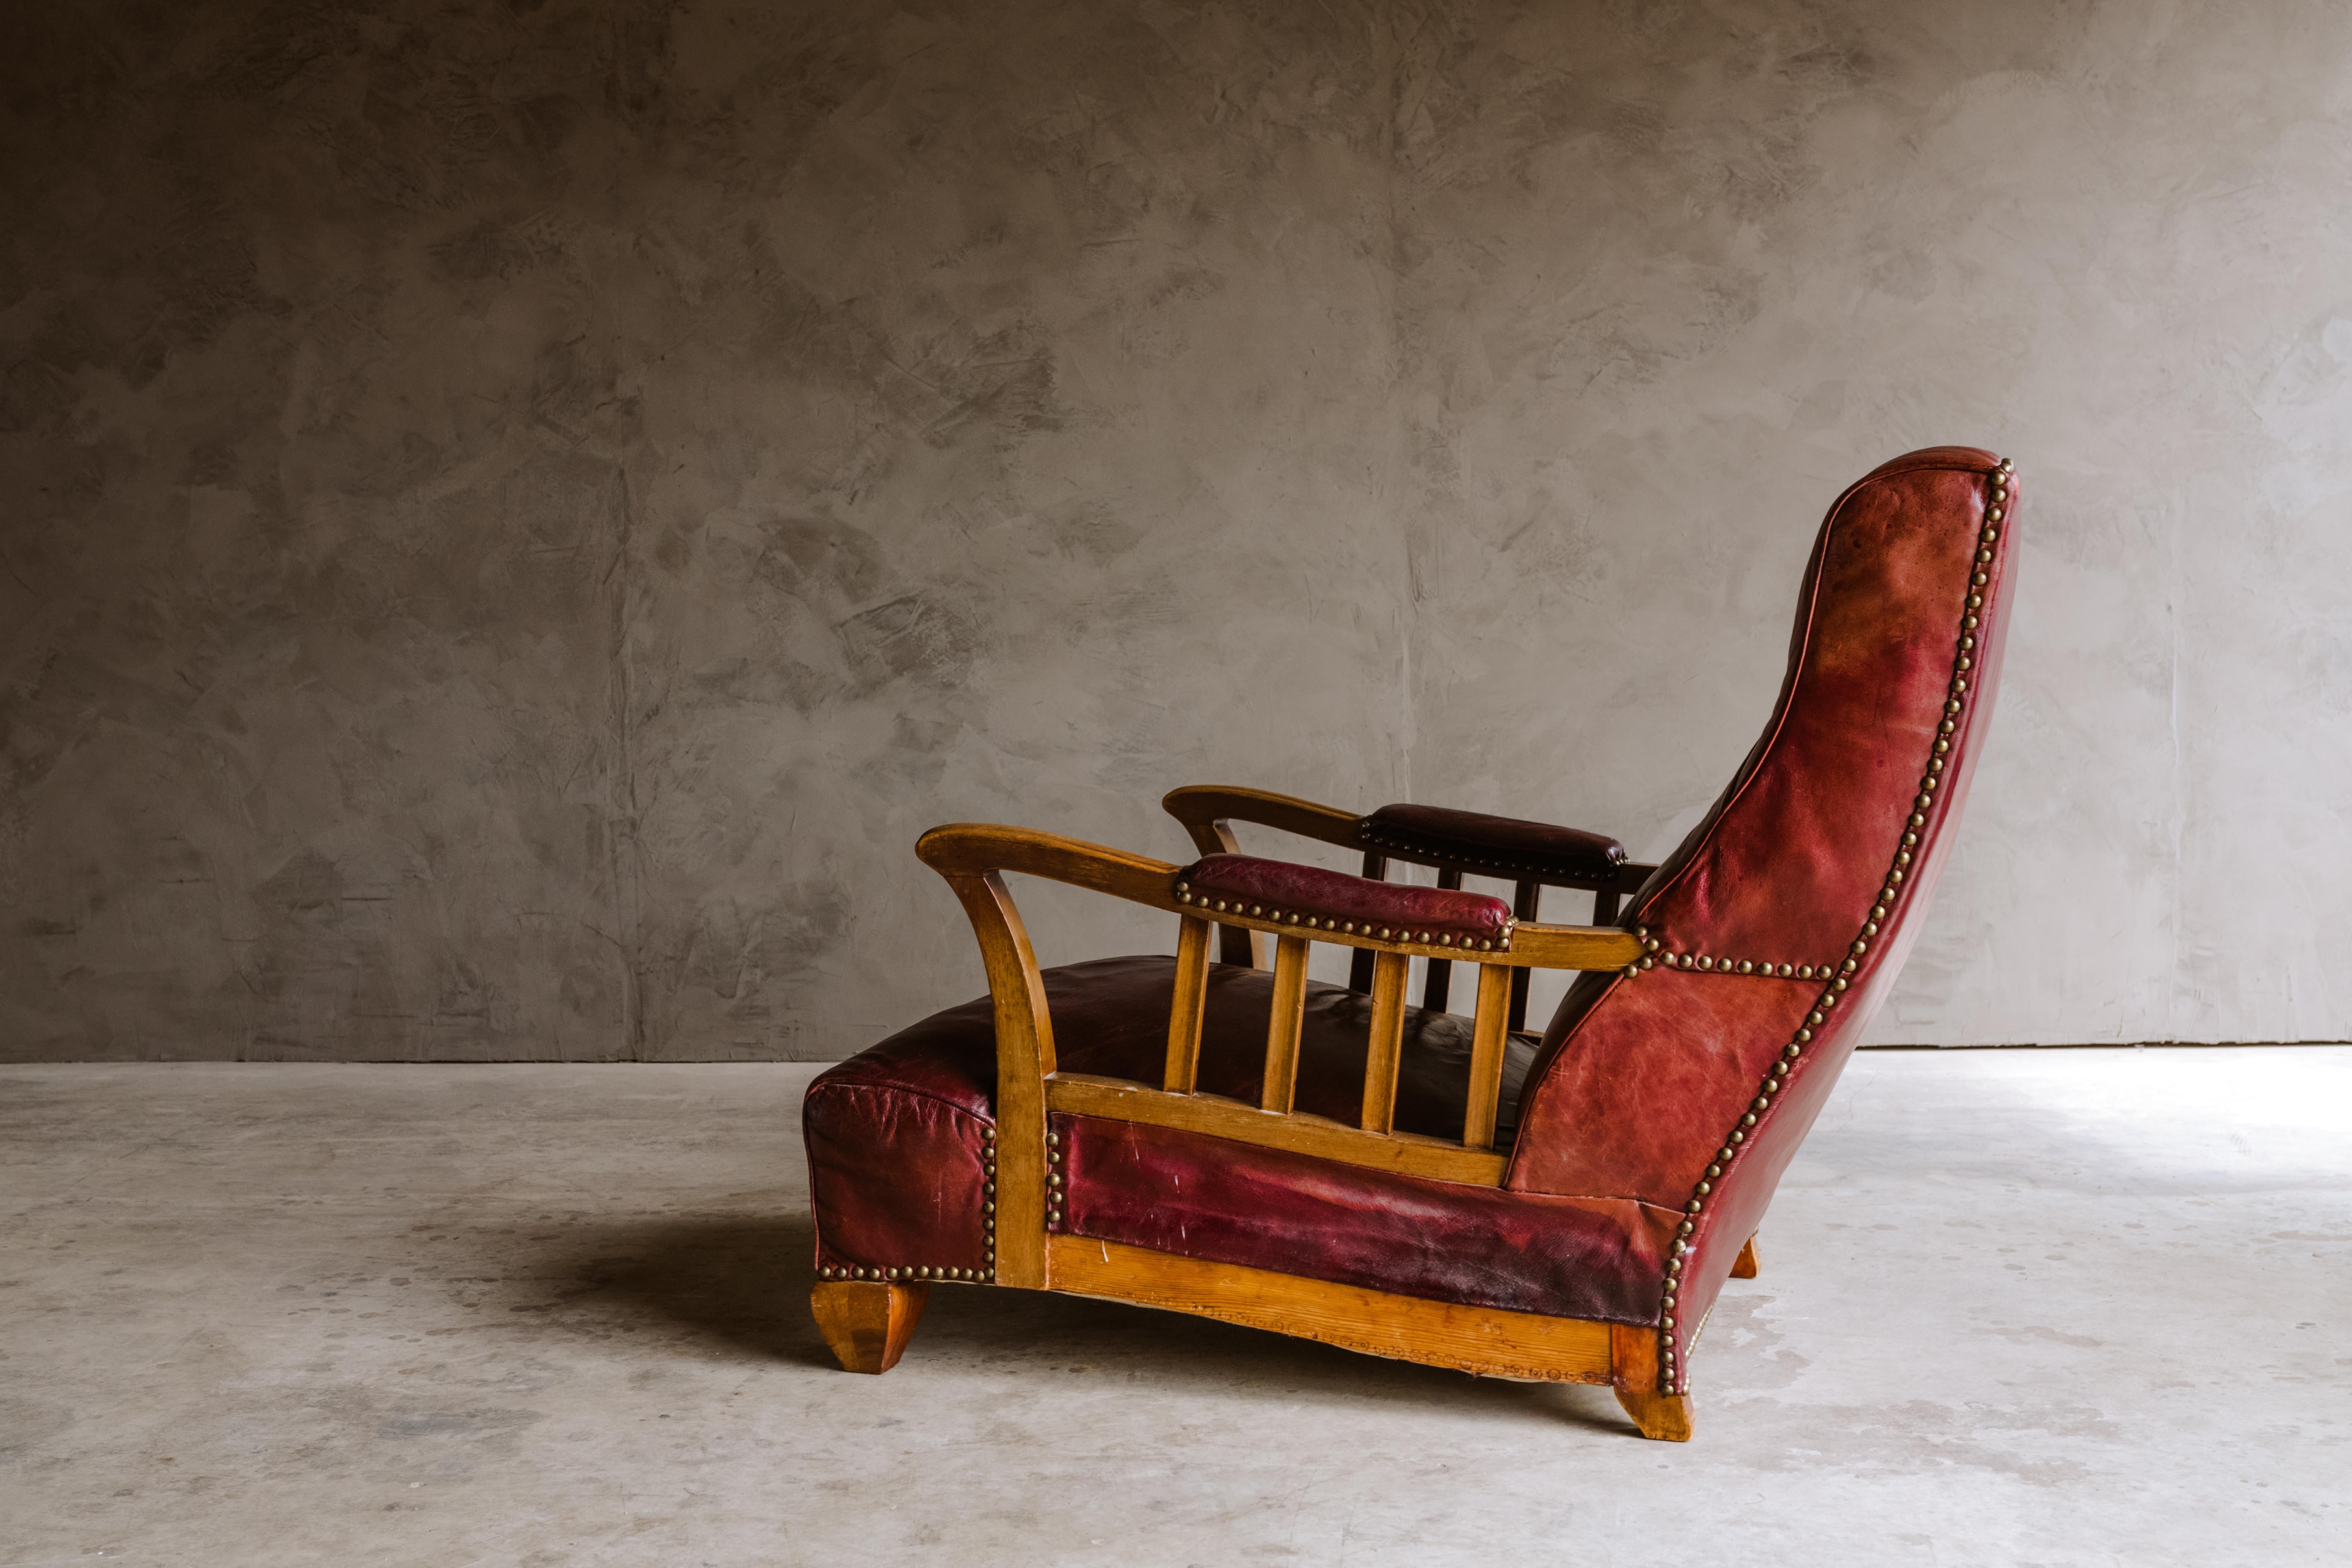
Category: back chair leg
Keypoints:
(1744, 1265)
(1662, 1418)
(1634, 1373)
(867, 1322)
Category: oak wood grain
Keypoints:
(867, 1324)
(1482, 1340)
(1634, 1373)
(1285, 1019)
(1384, 1048)
(1489, 1030)
(1189, 1008)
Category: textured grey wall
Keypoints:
(513, 523)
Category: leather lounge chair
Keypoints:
(1230, 1139)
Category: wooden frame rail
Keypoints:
(972, 859)
(1208, 812)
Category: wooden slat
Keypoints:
(1481, 1339)
(1283, 1023)
(1487, 1033)
(1384, 1051)
(1301, 1132)
(1526, 901)
(1359, 963)
(1190, 1006)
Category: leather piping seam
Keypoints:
(983, 1118)
(1673, 1371)
(1789, 697)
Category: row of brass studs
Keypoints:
(1053, 1178)
(1410, 847)
(1184, 895)
(909, 1272)
(1652, 955)
(899, 1276)
(988, 1193)
(1675, 1377)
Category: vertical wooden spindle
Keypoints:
(1440, 979)
(1184, 1014)
(1525, 899)
(1486, 1037)
(1360, 967)
(1604, 907)
(1282, 1026)
(1385, 1048)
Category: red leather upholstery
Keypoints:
(1309, 896)
(1662, 1106)
(1235, 1203)
(1504, 845)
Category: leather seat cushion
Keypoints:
(897, 1154)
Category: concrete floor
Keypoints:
(2053, 1308)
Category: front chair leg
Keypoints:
(867, 1322)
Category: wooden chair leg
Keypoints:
(1662, 1418)
(868, 1321)
(1633, 1371)
(1744, 1265)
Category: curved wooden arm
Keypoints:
(975, 849)
(1203, 809)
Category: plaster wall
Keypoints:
(514, 521)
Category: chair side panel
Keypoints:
(1195, 1196)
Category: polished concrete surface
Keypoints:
(2017, 1308)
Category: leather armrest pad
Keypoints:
(1498, 844)
(1309, 896)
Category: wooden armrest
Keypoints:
(1456, 841)
(966, 850)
